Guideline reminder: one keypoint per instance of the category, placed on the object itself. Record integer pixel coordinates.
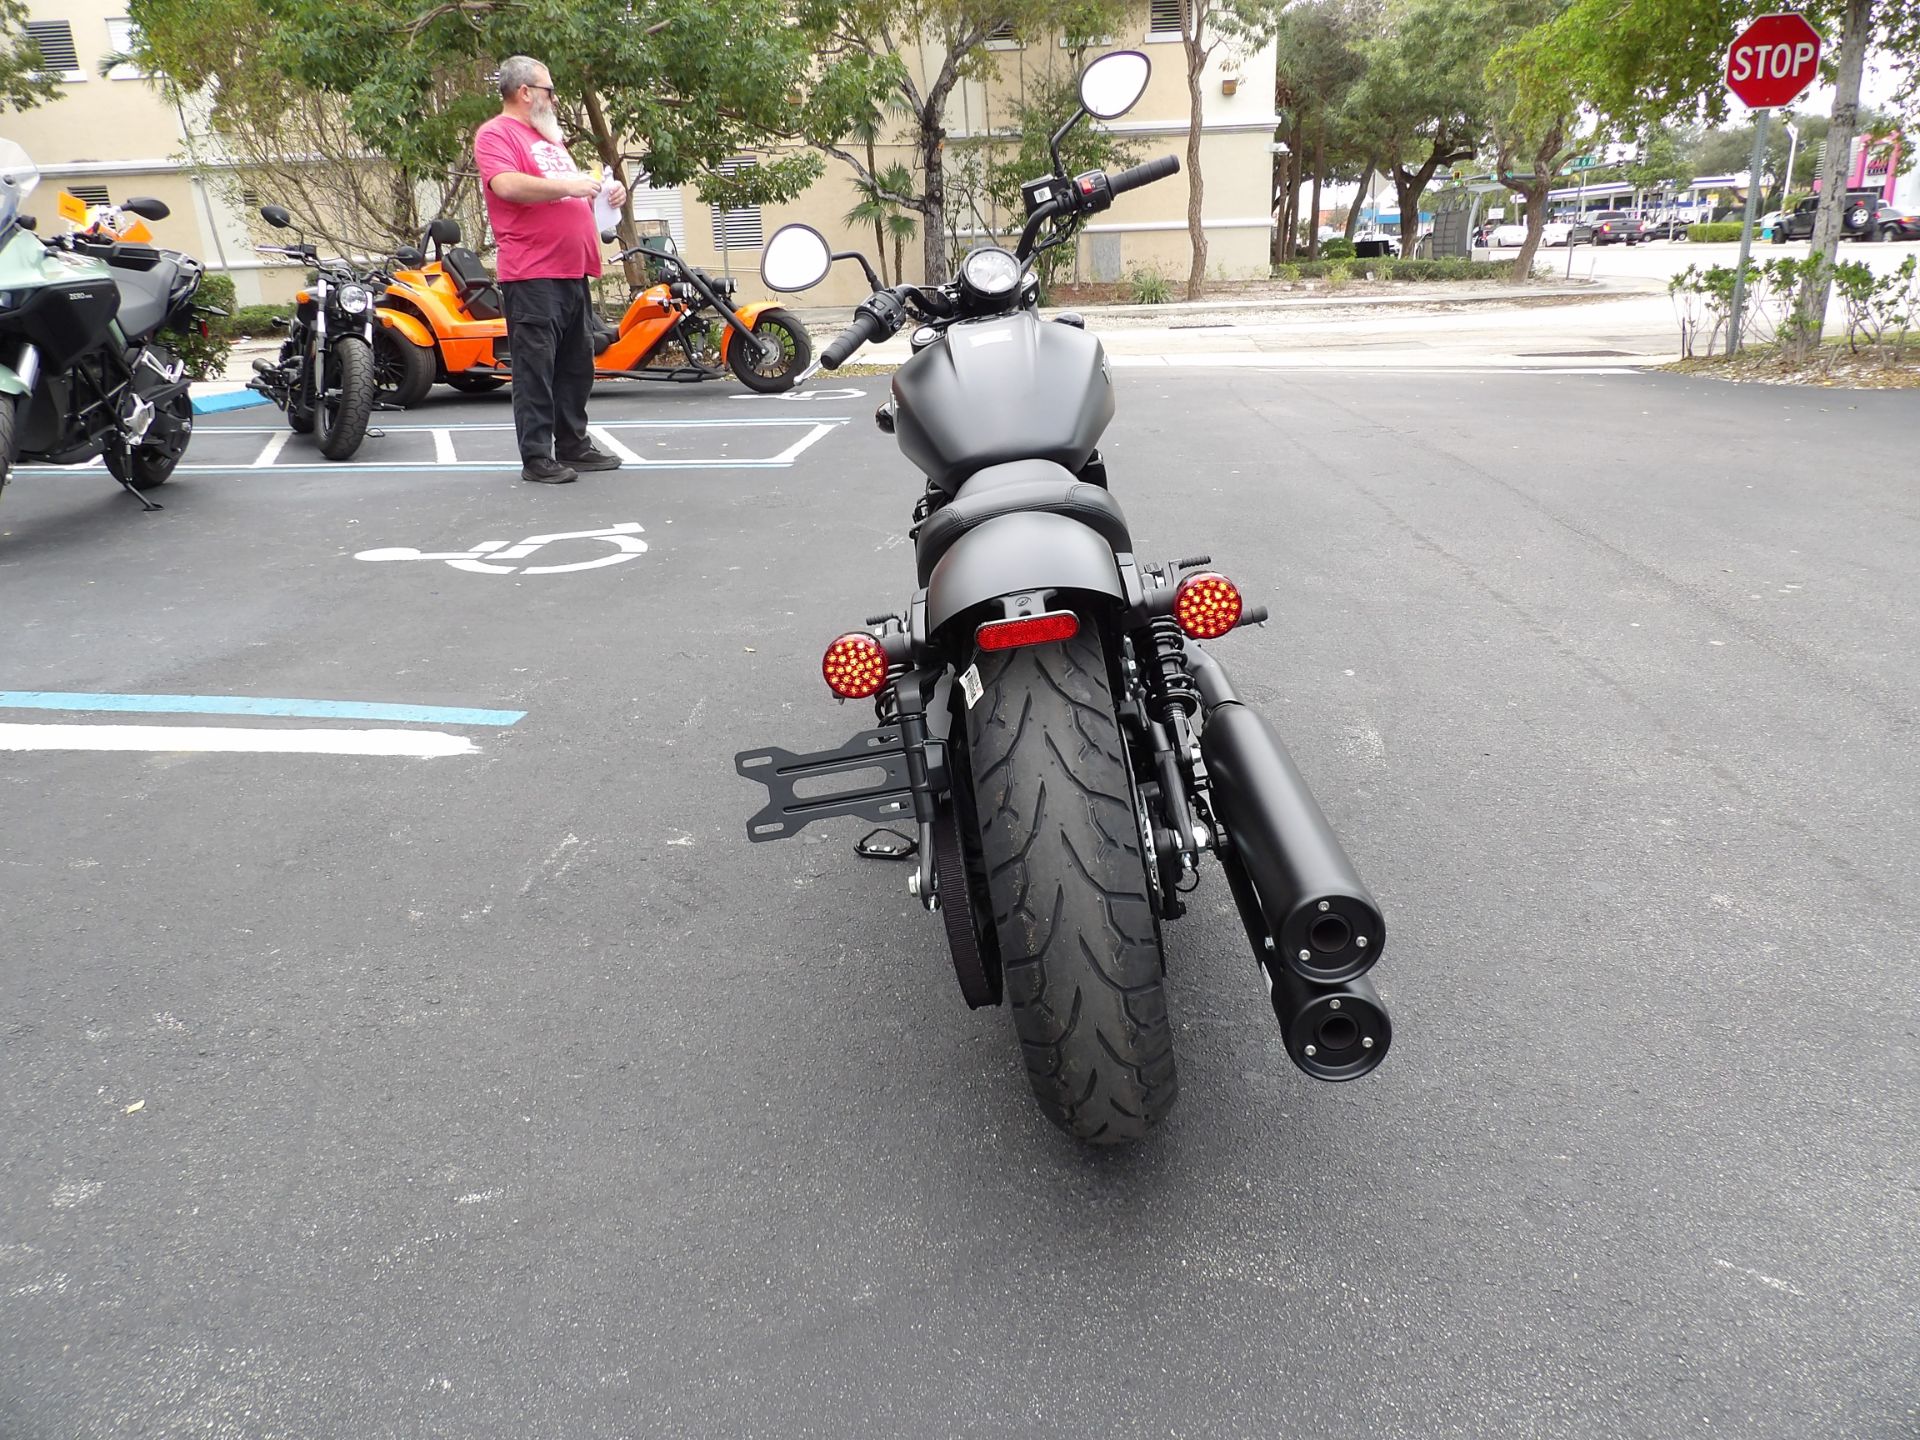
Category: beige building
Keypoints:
(112, 136)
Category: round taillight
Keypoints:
(855, 666)
(1206, 605)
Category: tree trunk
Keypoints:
(1293, 195)
(607, 147)
(933, 229)
(1313, 210)
(1359, 199)
(1536, 197)
(1812, 309)
(1282, 193)
(1196, 230)
(879, 218)
(1406, 193)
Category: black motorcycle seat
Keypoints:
(474, 283)
(1037, 485)
(144, 296)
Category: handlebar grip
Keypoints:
(1135, 176)
(863, 329)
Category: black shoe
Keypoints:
(542, 471)
(590, 459)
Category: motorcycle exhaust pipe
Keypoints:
(1332, 1032)
(1320, 916)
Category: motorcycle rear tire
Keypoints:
(348, 368)
(1078, 934)
(403, 370)
(153, 463)
(9, 406)
(797, 354)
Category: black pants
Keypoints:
(552, 358)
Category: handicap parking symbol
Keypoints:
(624, 537)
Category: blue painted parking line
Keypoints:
(250, 705)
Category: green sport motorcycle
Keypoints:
(82, 374)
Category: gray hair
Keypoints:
(518, 70)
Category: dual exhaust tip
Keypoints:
(1315, 928)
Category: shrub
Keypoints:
(1718, 232)
(1338, 276)
(205, 356)
(250, 320)
(1148, 287)
(1338, 248)
(1289, 273)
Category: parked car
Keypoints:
(1610, 227)
(1768, 225)
(1665, 227)
(1867, 217)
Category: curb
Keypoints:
(213, 401)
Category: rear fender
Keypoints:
(10, 383)
(1009, 554)
(408, 326)
(748, 314)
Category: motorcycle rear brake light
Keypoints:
(855, 666)
(1206, 605)
(1028, 630)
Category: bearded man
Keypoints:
(541, 209)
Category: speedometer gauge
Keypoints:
(990, 271)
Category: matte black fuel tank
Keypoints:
(990, 391)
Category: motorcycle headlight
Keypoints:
(990, 271)
(355, 299)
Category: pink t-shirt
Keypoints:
(553, 240)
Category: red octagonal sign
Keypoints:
(1773, 61)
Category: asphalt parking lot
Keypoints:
(494, 1086)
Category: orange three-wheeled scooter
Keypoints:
(443, 321)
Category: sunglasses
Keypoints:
(551, 93)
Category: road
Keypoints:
(510, 1092)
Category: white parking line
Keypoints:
(417, 744)
(598, 434)
(274, 447)
(443, 447)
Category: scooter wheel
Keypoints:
(772, 377)
(402, 369)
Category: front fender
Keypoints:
(748, 314)
(1028, 550)
(408, 326)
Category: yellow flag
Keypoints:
(73, 208)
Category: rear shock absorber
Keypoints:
(1171, 687)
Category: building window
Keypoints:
(92, 194)
(122, 36)
(55, 39)
(1163, 19)
(1001, 37)
(740, 227)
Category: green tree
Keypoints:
(954, 33)
(1421, 103)
(1649, 60)
(890, 220)
(1532, 109)
(1319, 61)
(24, 79)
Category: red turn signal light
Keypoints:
(1027, 630)
(855, 666)
(1206, 605)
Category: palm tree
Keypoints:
(871, 209)
(898, 180)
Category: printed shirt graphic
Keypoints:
(554, 240)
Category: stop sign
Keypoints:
(1775, 58)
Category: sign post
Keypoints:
(1770, 63)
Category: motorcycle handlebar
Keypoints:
(1146, 173)
(865, 327)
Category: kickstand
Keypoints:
(146, 504)
(894, 847)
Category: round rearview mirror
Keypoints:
(276, 216)
(796, 258)
(1113, 84)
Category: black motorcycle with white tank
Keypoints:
(84, 374)
(324, 376)
(1048, 719)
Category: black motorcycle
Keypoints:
(1065, 748)
(324, 378)
(83, 374)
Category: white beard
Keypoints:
(546, 121)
